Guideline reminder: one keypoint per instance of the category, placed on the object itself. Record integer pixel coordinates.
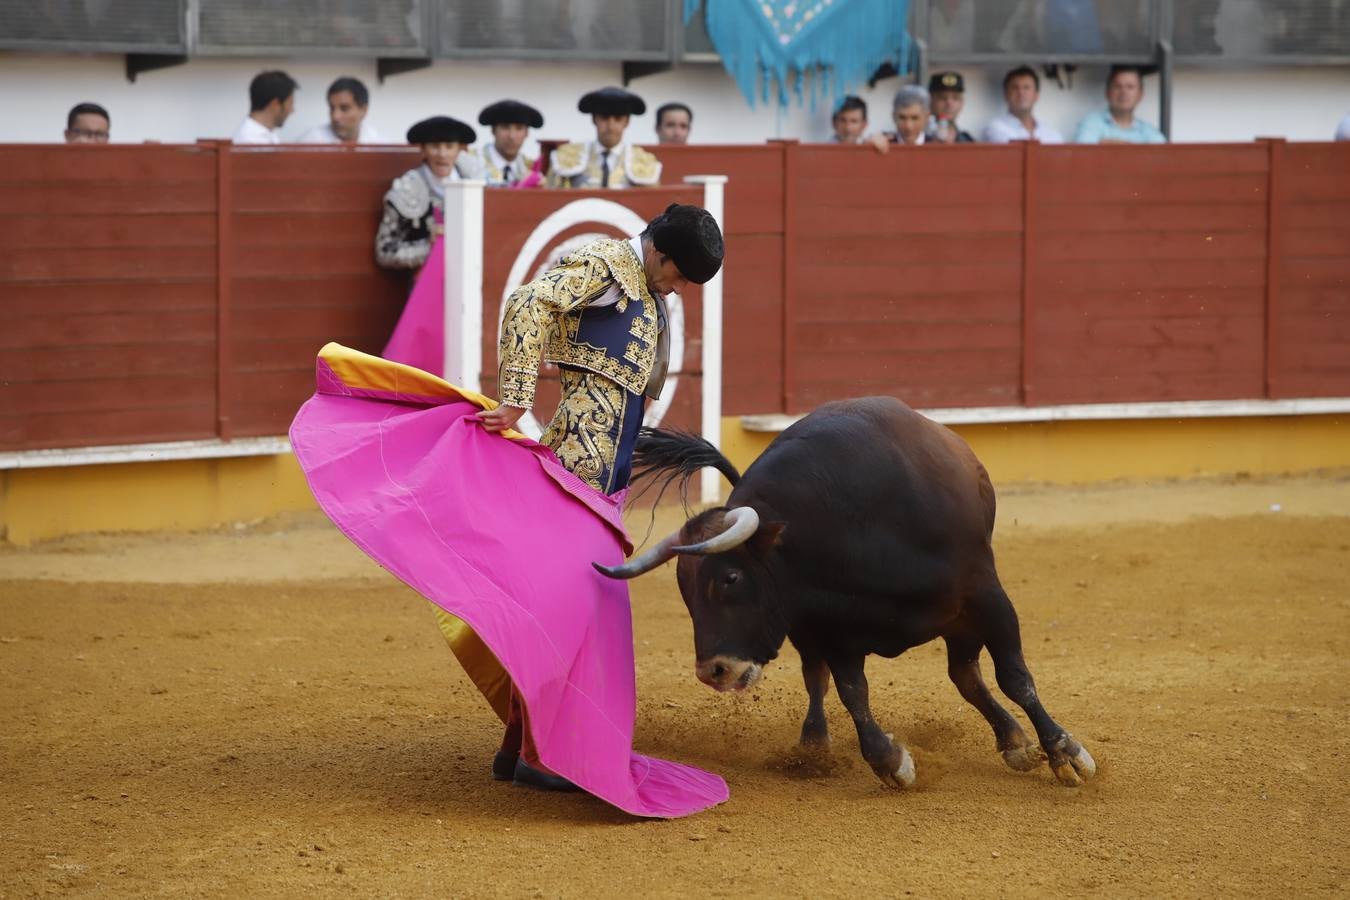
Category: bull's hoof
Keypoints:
(1023, 759)
(896, 770)
(814, 743)
(1070, 761)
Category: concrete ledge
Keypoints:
(135, 453)
(1089, 412)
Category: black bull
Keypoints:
(863, 528)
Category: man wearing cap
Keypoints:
(606, 162)
(600, 315)
(948, 92)
(510, 120)
(413, 204)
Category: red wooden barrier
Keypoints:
(955, 276)
(107, 290)
(752, 378)
(302, 272)
(908, 275)
(1148, 273)
(1310, 225)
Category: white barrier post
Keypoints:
(464, 283)
(714, 190)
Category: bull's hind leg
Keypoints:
(1069, 760)
(963, 667)
(815, 730)
(891, 761)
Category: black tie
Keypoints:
(509, 173)
(604, 168)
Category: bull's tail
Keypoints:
(677, 454)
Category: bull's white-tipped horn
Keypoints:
(644, 562)
(740, 524)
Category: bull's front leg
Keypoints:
(815, 730)
(891, 761)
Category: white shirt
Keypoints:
(1343, 130)
(251, 131)
(1007, 127)
(324, 134)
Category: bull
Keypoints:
(864, 528)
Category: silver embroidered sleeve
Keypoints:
(532, 313)
(395, 248)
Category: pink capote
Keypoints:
(496, 532)
(419, 337)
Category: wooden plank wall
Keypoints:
(908, 275)
(301, 244)
(752, 291)
(1310, 333)
(960, 276)
(107, 295)
(1147, 273)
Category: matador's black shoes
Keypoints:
(504, 765)
(507, 766)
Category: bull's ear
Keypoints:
(768, 536)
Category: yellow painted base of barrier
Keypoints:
(180, 495)
(1086, 452)
(43, 503)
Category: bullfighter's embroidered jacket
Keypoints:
(582, 165)
(413, 202)
(497, 171)
(594, 316)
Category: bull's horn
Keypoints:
(644, 563)
(740, 524)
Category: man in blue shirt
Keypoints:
(1116, 124)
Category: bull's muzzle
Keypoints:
(728, 673)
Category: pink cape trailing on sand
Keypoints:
(494, 531)
(419, 337)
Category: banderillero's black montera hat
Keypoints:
(612, 101)
(690, 237)
(441, 128)
(511, 112)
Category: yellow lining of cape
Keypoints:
(366, 372)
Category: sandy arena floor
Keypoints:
(262, 712)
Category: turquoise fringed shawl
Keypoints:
(768, 44)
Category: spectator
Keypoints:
(606, 161)
(1116, 124)
(850, 121)
(503, 162)
(414, 202)
(948, 92)
(271, 98)
(348, 102)
(910, 113)
(673, 121)
(1343, 129)
(87, 123)
(1021, 88)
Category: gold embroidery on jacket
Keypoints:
(585, 430)
(541, 321)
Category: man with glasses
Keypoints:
(87, 123)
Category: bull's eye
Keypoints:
(731, 577)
